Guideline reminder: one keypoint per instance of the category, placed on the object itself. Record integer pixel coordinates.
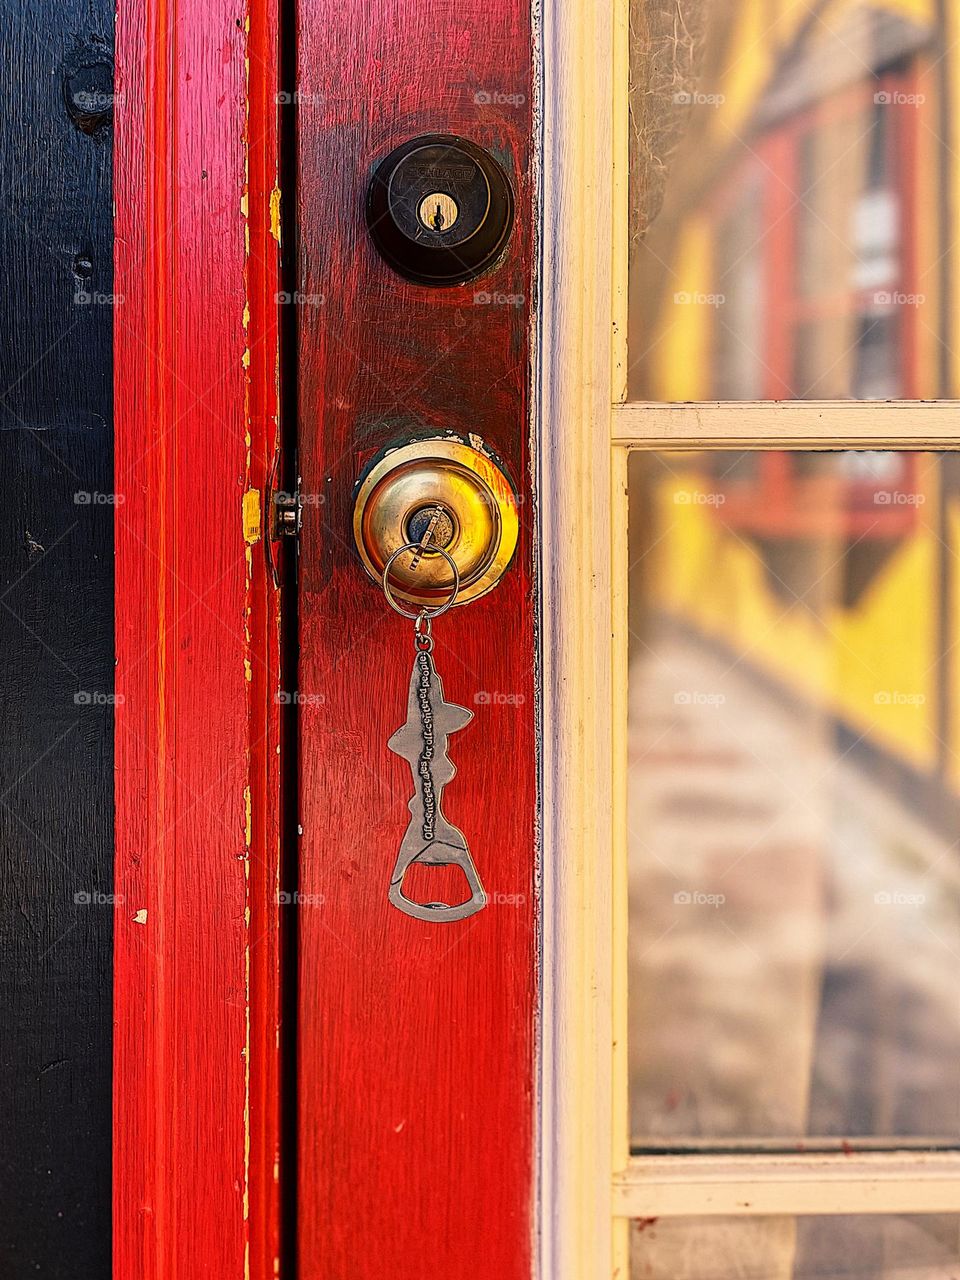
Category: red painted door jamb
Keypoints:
(195, 990)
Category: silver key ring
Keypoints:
(425, 611)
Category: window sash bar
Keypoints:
(832, 1183)
(788, 424)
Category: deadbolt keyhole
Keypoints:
(438, 211)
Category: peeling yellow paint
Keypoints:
(252, 517)
(275, 214)
(244, 205)
(248, 807)
(245, 358)
(247, 669)
(246, 315)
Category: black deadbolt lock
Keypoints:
(439, 209)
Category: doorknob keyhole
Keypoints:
(443, 530)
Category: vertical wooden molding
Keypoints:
(196, 780)
(581, 371)
(265, 201)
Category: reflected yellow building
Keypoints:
(796, 186)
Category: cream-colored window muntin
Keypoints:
(590, 1186)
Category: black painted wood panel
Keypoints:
(56, 638)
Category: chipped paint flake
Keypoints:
(275, 214)
(252, 517)
(140, 917)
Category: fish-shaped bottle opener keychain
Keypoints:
(422, 741)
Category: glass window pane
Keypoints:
(794, 798)
(867, 1247)
(793, 172)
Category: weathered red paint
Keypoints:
(417, 1040)
(196, 833)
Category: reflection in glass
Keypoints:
(794, 797)
(868, 1247)
(793, 200)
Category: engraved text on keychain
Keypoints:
(422, 741)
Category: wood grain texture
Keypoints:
(195, 952)
(56, 642)
(417, 1040)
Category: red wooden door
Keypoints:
(416, 1039)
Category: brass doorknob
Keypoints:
(457, 491)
